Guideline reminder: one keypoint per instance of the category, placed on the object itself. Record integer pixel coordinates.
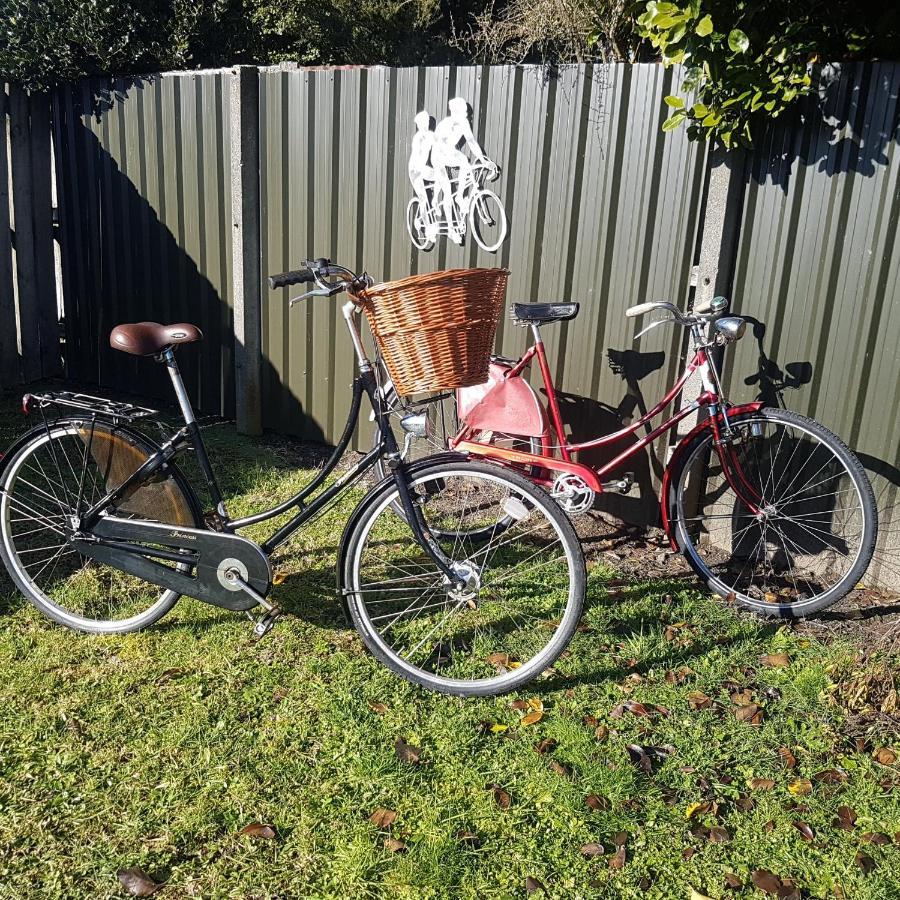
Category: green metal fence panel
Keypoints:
(817, 274)
(602, 207)
(144, 196)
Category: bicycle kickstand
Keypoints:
(263, 625)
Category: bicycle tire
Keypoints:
(767, 606)
(368, 515)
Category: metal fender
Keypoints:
(677, 456)
(507, 405)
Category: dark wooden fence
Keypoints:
(29, 322)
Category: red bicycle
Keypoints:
(769, 507)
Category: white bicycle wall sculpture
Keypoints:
(449, 186)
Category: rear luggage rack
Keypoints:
(112, 410)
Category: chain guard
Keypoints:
(210, 554)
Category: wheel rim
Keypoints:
(40, 487)
(809, 535)
(515, 610)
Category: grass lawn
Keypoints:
(156, 749)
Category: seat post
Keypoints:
(184, 402)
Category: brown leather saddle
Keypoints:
(151, 338)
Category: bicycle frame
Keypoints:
(553, 438)
(190, 437)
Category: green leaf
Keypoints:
(674, 102)
(704, 26)
(711, 120)
(699, 110)
(738, 41)
(674, 121)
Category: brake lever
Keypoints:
(324, 291)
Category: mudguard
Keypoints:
(137, 438)
(507, 405)
(678, 456)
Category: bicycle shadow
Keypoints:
(586, 419)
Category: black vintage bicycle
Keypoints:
(460, 576)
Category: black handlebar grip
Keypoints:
(285, 279)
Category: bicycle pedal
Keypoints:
(264, 623)
(621, 485)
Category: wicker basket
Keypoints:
(436, 331)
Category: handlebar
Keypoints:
(318, 271)
(703, 309)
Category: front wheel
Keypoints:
(523, 583)
(813, 533)
(487, 218)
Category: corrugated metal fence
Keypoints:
(29, 326)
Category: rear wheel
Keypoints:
(416, 226)
(523, 591)
(52, 478)
(815, 530)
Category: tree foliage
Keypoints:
(43, 42)
(553, 31)
(749, 60)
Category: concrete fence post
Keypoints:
(721, 228)
(245, 242)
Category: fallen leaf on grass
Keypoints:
(501, 797)
(559, 768)
(865, 862)
(846, 818)
(805, 831)
(776, 660)
(620, 838)
(592, 849)
(545, 746)
(697, 808)
(766, 881)
(885, 755)
(732, 881)
(596, 803)
(532, 718)
(878, 838)
(601, 732)
(407, 753)
(394, 845)
(376, 707)
(533, 885)
(383, 818)
(718, 835)
(258, 830)
(698, 700)
(640, 758)
(787, 757)
(750, 713)
(830, 776)
(519, 705)
(137, 882)
(617, 860)
(762, 784)
(800, 787)
(696, 895)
